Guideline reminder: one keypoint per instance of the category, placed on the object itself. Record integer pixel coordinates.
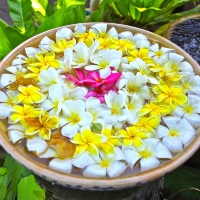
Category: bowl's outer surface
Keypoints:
(80, 182)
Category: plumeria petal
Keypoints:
(36, 145)
(94, 171)
(64, 166)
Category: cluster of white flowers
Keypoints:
(100, 101)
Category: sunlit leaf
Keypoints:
(20, 12)
(5, 46)
(29, 189)
(54, 21)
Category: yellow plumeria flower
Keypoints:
(106, 43)
(148, 124)
(133, 136)
(88, 141)
(42, 125)
(172, 96)
(123, 45)
(141, 53)
(22, 112)
(113, 141)
(29, 95)
(45, 61)
(62, 44)
(154, 109)
(169, 74)
(87, 38)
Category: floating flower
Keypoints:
(137, 85)
(154, 109)
(160, 55)
(100, 31)
(22, 112)
(74, 116)
(104, 60)
(42, 125)
(171, 96)
(98, 110)
(112, 166)
(178, 133)
(116, 103)
(132, 137)
(7, 102)
(45, 61)
(108, 147)
(88, 141)
(29, 95)
(148, 157)
(190, 110)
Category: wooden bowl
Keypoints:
(81, 182)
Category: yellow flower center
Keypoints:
(188, 109)
(105, 163)
(145, 154)
(173, 133)
(158, 53)
(75, 118)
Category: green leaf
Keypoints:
(5, 46)
(97, 16)
(12, 190)
(39, 6)
(175, 16)
(3, 182)
(14, 37)
(41, 9)
(80, 18)
(162, 29)
(54, 21)
(29, 189)
(21, 13)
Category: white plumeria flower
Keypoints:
(178, 133)
(98, 110)
(176, 61)
(59, 94)
(143, 68)
(49, 77)
(116, 102)
(100, 30)
(148, 157)
(112, 167)
(74, 116)
(160, 55)
(134, 104)
(191, 84)
(23, 60)
(190, 110)
(82, 53)
(7, 102)
(16, 72)
(35, 144)
(136, 84)
(55, 101)
(66, 165)
(15, 132)
(103, 60)
(64, 33)
(46, 43)
(139, 40)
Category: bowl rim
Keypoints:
(71, 180)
